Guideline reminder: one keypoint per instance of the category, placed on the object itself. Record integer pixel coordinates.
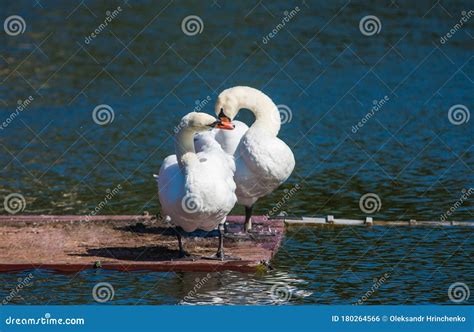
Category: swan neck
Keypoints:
(184, 143)
(266, 113)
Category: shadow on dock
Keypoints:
(140, 228)
(139, 254)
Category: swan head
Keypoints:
(227, 106)
(199, 122)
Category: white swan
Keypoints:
(263, 161)
(197, 190)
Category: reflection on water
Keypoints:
(409, 153)
(273, 288)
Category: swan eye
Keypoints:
(215, 123)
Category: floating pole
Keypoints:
(369, 221)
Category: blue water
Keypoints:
(320, 65)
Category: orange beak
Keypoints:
(225, 123)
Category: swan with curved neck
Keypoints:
(197, 190)
(231, 101)
(263, 161)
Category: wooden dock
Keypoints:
(128, 243)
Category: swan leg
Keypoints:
(182, 252)
(248, 218)
(220, 255)
(220, 251)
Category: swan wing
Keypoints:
(202, 193)
(170, 186)
(263, 163)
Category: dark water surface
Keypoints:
(328, 74)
